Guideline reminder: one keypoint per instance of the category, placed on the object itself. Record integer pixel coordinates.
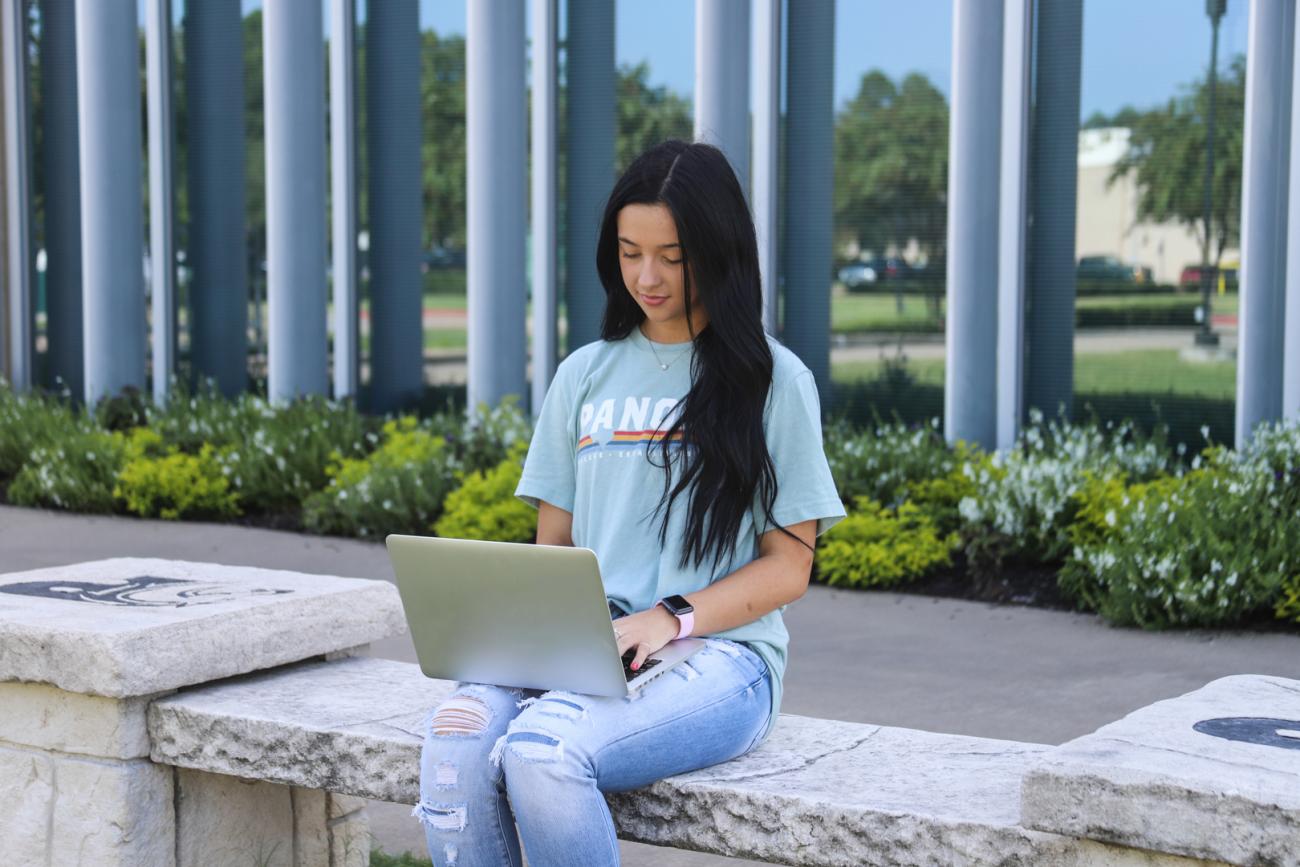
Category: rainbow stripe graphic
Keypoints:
(627, 439)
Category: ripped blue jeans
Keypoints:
(495, 758)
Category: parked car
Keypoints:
(1109, 269)
(1227, 282)
(857, 276)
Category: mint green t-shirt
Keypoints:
(588, 457)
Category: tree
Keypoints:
(1167, 151)
(891, 165)
(646, 115)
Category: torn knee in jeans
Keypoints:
(561, 705)
(461, 715)
(529, 745)
(441, 817)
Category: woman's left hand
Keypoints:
(647, 631)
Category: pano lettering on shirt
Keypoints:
(640, 420)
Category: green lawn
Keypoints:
(1154, 371)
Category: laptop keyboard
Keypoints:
(628, 673)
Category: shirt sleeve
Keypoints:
(550, 468)
(805, 488)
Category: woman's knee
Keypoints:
(460, 732)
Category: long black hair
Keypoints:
(724, 459)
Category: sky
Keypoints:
(1135, 52)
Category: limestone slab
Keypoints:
(1162, 779)
(130, 626)
(112, 813)
(311, 844)
(39, 715)
(818, 792)
(224, 820)
(27, 799)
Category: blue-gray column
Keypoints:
(974, 157)
(589, 74)
(62, 180)
(162, 241)
(1054, 175)
(544, 164)
(214, 87)
(294, 58)
(1017, 78)
(393, 152)
(343, 195)
(18, 317)
(112, 225)
(1291, 339)
(1265, 157)
(767, 126)
(809, 179)
(722, 81)
(496, 163)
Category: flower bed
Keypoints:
(1093, 517)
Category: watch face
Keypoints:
(678, 605)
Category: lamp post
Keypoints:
(1205, 336)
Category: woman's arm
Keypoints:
(554, 525)
(778, 576)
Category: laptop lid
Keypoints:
(512, 614)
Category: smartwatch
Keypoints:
(684, 612)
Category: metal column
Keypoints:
(497, 161)
(218, 298)
(343, 194)
(1054, 181)
(722, 80)
(294, 57)
(589, 73)
(1017, 58)
(1291, 337)
(17, 341)
(62, 180)
(1265, 156)
(112, 226)
(974, 156)
(544, 162)
(162, 247)
(767, 126)
(809, 172)
(395, 210)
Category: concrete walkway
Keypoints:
(936, 664)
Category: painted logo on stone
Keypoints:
(143, 591)
(1284, 733)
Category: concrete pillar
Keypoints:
(396, 223)
(544, 163)
(62, 181)
(1266, 154)
(767, 137)
(1054, 180)
(1291, 338)
(497, 162)
(294, 56)
(19, 315)
(589, 73)
(343, 195)
(722, 81)
(214, 86)
(809, 178)
(974, 157)
(1013, 223)
(112, 225)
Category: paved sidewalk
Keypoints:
(936, 664)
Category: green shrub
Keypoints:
(76, 472)
(881, 463)
(486, 437)
(176, 485)
(485, 505)
(399, 488)
(1288, 602)
(30, 422)
(879, 547)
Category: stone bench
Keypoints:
(165, 713)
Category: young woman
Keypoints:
(684, 447)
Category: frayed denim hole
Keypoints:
(685, 671)
(441, 817)
(461, 716)
(534, 746)
(725, 646)
(445, 776)
(450, 852)
(560, 708)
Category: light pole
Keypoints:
(1205, 336)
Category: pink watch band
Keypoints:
(686, 620)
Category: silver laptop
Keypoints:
(532, 616)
